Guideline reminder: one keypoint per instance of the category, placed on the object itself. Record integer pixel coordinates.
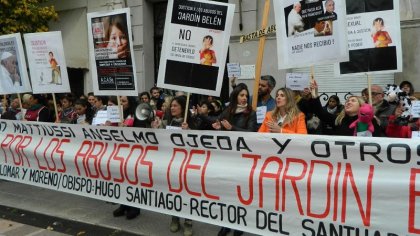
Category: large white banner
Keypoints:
(310, 32)
(47, 64)
(13, 74)
(195, 45)
(267, 184)
(374, 38)
(111, 53)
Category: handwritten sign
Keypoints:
(297, 81)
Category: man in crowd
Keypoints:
(383, 109)
(155, 100)
(9, 76)
(13, 113)
(266, 85)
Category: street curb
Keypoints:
(66, 226)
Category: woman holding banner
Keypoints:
(38, 111)
(175, 120)
(237, 116)
(84, 112)
(129, 108)
(286, 116)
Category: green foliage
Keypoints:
(25, 16)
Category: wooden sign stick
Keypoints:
(261, 46)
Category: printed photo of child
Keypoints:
(380, 37)
(207, 55)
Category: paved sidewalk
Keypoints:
(11, 228)
(90, 211)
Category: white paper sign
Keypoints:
(195, 46)
(47, 64)
(297, 81)
(234, 70)
(100, 118)
(261, 111)
(173, 127)
(415, 109)
(374, 39)
(309, 33)
(247, 72)
(415, 134)
(13, 79)
(113, 114)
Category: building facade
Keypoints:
(148, 17)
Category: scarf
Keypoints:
(331, 111)
(241, 108)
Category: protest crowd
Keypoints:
(293, 112)
(175, 103)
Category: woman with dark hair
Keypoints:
(175, 120)
(38, 110)
(203, 119)
(286, 116)
(112, 101)
(334, 107)
(67, 114)
(217, 108)
(408, 88)
(129, 108)
(100, 103)
(144, 97)
(84, 112)
(238, 116)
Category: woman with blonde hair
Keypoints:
(286, 116)
(341, 122)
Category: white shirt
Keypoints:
(294, 23)
(6, 82)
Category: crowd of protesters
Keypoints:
(292, 112)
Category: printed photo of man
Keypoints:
(9, 72)
(294, 20)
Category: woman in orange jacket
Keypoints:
(286, 117)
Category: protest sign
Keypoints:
(13, 74)
(374, 38)
(415, 109)
(247, 72)
(111, 53)
(310, 32)
(195, 45)
(234, 69)
(267, 184)
(297, 81)
(47, 64)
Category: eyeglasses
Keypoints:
(374, 94)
